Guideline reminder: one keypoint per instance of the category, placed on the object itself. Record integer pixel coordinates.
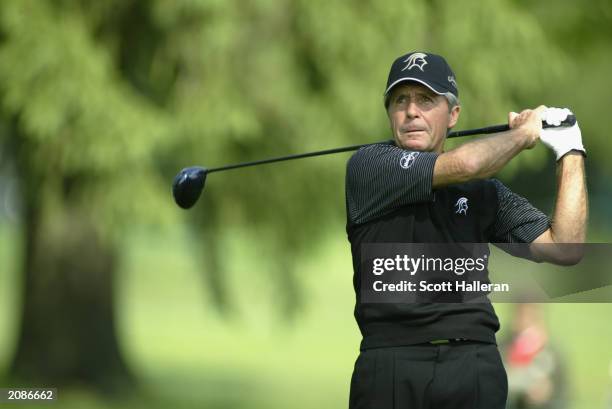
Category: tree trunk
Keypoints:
(67, 334)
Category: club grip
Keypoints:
(569, 121)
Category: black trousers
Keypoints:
(463, 375)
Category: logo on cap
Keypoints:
(415, 60)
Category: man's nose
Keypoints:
(412, 109)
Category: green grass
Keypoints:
(187, 356)
(273, 361)
(9, 258)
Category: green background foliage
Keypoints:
(246, 300)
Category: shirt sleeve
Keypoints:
(381, 178)
(517, 221)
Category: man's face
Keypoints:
(419, 117)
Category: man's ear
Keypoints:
(454, 116)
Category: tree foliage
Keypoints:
(104, 102)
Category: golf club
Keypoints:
(189, 183)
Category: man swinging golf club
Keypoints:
(437, 355)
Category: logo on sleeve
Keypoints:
(407, 159)
(461, 206)
(415, 60)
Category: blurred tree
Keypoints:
(584, 35)
(107, 100)
(82, 140)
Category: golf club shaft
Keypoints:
(479, 131)
(290, 157)
(570, 120)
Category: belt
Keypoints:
(447, 341)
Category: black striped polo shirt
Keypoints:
(390, 199)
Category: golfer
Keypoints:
(437, 355)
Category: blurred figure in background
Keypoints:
(536, 374)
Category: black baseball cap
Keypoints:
(428, 69)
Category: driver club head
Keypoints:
(188, 185)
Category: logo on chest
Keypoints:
(461, 207)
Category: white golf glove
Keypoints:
(562, 139)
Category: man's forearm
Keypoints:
(569, 216)
(571, 208)
(478, 159)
